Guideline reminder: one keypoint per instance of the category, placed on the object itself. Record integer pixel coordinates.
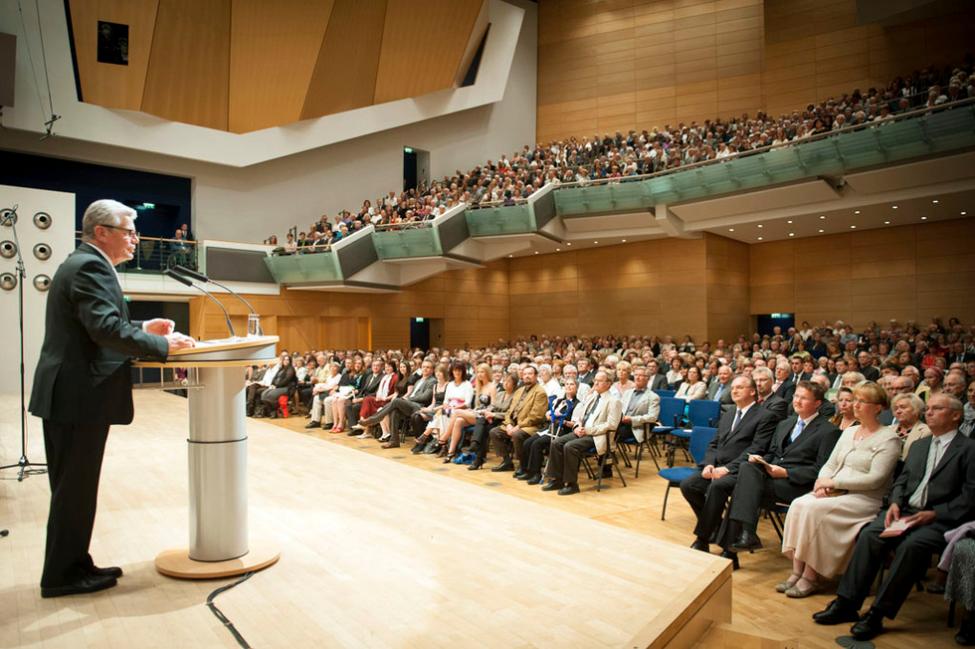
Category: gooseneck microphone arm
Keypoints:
(186, 282)
(200, 277)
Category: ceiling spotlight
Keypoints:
(935, 201)
(624, 240)
(853, 227)
(731, 229)
(510, 256)
(963, 212)
(536, 252)
(893, 207)
(595, 242)
(822, 217)
(789, 222)
(760, 238)
(760, 225)
(924, 218)
(558, 250)
(821, 231)
(856, 211)
(568, 243)
(886, 222)
(792, 234)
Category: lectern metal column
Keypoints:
(219, 544)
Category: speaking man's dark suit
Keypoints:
(951, 495)
(728, 448)
(82, 385)
(802, 459)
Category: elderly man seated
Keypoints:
(593, 421)
(524, 417)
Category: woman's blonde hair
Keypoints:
(873, 393)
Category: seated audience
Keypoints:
(821, 527)
(486, 418)
(746, 428)
(907, 409)
(536, 448)
(524, 417)
(692, 387)
(934, 493)
(845, 416)
(593, 421)
(640, 407)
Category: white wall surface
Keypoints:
(248, 204)
(60, 236)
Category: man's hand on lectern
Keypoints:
(179, 341)
(159, 326)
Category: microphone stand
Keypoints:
(186, 282)
(25, 467)
(200, 277)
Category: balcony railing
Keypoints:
(154, 255)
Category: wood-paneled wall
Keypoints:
(911, 272)
(625, 64)
(815, 49)
(472, 304)
(636, 288)
(727, 274)
(634, 64)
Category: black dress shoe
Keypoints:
(87, 584)
(733, 556)
(534, 479)
(869, 627)
(551, 485)
(608, 471)
(747, 541)
(504, 466)
(700, 544)
(837, 612)
(569, 489)
(475, 466)
(521, 475)
(110, 571)
(313, 424)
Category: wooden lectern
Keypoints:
(217, 452)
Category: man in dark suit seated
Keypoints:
(788, 469)
(775, 404)
(370, 385)
(707, 492)
(655, 380)
(788, 387)
(420, 394)
(935, 492)
(83, 385)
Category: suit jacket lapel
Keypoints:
(949, 452)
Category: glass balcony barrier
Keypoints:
(305, 264)
(928, 131)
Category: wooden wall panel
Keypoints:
(611, 66)
(272, 55)
(422, 44)
(728, 270)
(107, 84)
(189, 66)
(912, 272)
(345, 71)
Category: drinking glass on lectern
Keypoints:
(254, 325)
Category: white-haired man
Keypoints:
(82, 385)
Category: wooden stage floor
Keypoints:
(375, 553)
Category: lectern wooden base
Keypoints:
(177, 563)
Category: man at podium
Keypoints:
(82, 385)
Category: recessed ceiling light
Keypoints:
(822, 217)
(853, 227)
(731, 229)
(510, 256)
(558, 250)
(568, 243)
(924, 218)
(935, 201)
(893, 207)
(886, 222)
(856, 211)
(760, 225)
(536, 252)
(760, 238)
(792, 234)
(963, 213)
(624, 240)
(595, 242)
(821, 231)
(789, 222)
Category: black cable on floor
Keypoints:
(223, 618)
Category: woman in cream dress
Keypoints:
(822, 526)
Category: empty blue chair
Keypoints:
(701, 436)
(671, 414)
(703, 412)
(665, 393)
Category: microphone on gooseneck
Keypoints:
(186, 282)
(200, 277)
